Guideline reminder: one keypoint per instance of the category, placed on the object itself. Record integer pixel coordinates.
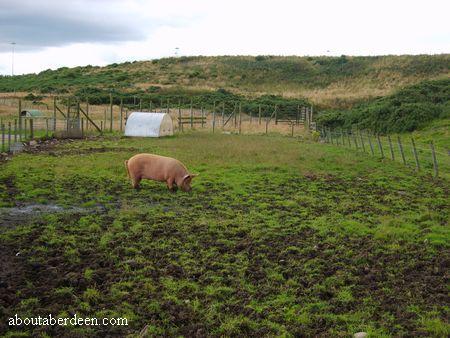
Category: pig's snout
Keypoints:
(187, 188)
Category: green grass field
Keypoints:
(278, 238)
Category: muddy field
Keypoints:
(278, 237)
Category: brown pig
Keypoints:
(158, 168)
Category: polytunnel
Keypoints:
(149, 124)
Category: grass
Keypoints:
(278, 238)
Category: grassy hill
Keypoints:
(329, 82)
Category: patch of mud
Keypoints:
(15, 215)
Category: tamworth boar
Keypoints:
(158, 168)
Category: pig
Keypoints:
(158, 168)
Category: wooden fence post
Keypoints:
(121, 114)
(214, 106)
(370, 144)
(15, 130)
(31, 129)
(362, 141)
(180, 126)
(68, 113)
(20, 119)
(140, 104)
(82, 128)
(259, 114)
(223, 113)
(192, 117)
(380, 146)
(203, 115)
(390, 147)
(3, 136)
(54, 114)
(104, 119)
(9, 136)
(240, 117)
(87, 113)
(416, 158)
(354, 139)
(306, 121)
(110, 112)
(400, 147)
(435, 164)
(267, 124)
(214, 121)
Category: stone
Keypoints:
(360, 335)
(33, 143)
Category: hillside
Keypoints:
(329, 82)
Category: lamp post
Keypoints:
(12, 59)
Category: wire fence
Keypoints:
(77, 119)
(405, 150)
(70, 117)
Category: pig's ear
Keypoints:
(189, 175)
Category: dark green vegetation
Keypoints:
(278, 237)
(409, 109)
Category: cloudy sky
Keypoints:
(56, 33)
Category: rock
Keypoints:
(360, 335)
(33, 143)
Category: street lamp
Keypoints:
(12, 59)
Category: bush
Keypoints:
(409, 109)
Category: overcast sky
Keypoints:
(57, 33)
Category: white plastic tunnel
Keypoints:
(148, 124)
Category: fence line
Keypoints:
(86, 120)
(405, 151)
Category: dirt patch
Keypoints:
(12, 274)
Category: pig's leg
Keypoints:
(170, 185)
(135, 182)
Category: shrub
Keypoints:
(409, 109)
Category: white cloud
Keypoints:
(282, 27)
